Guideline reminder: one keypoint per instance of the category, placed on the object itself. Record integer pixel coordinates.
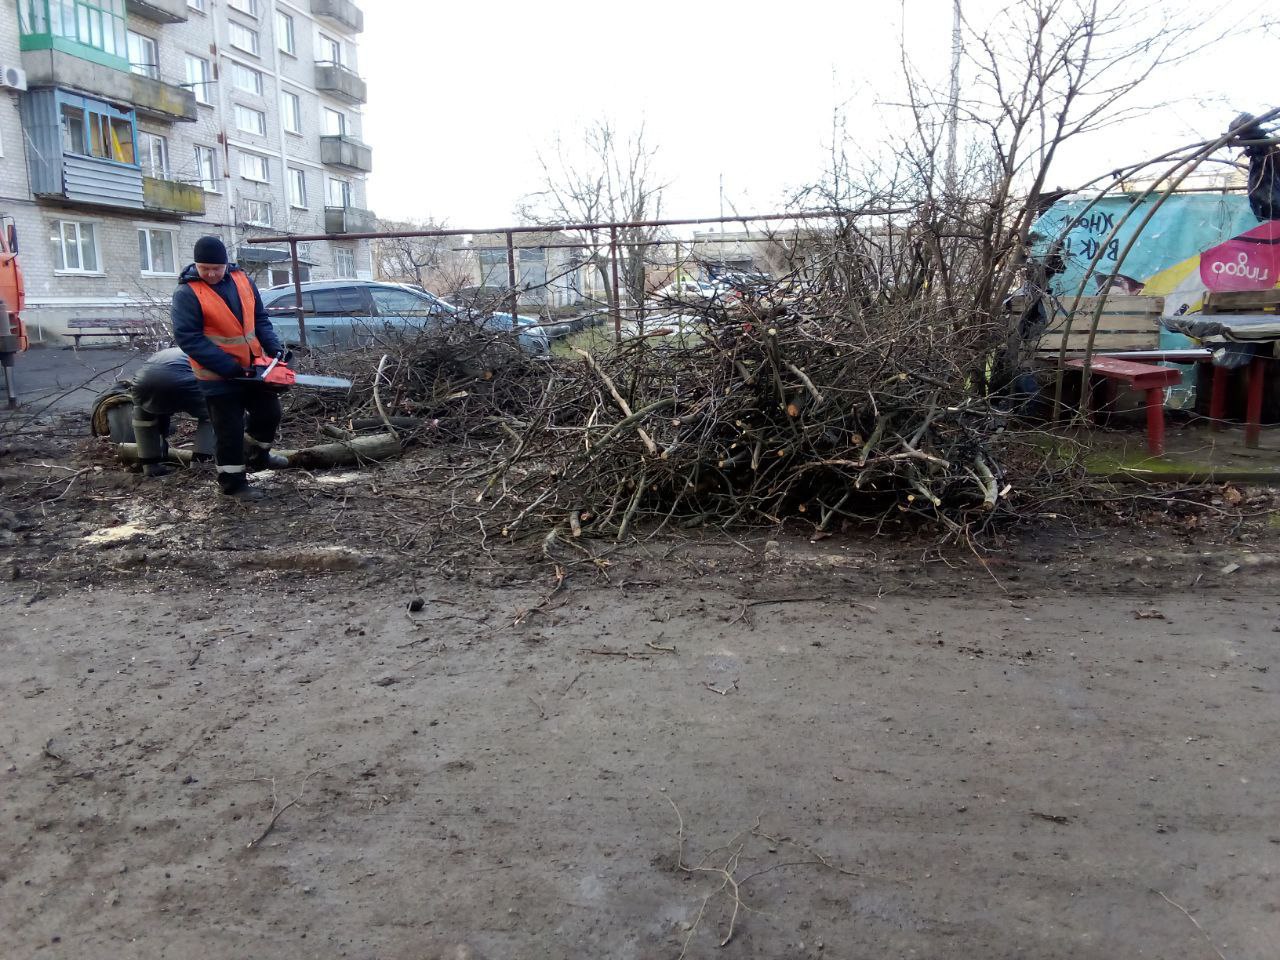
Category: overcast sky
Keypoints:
(462, 96)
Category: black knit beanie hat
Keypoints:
(210, 250)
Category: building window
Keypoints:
(291, 112)
(330, 50)
(251, 121)
(155, 250)
(254, 167)
(244, 6)
(335, 122)
(75, 247)
(256, 213)
(198, 78)
(246, 78)
(197, 5)
(96, 24)
(242, 38)
(339, 193)
(284, 33)
(344, 262)
(206, 170)
(297, 188)
(154, 151)
(144, 59)
(91, 128)
(281, 275)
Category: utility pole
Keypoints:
(953, 107)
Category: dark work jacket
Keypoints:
(1264, 181)
(188, 328)
(166, 385)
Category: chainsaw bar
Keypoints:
(321, 383)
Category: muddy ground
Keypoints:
(226, 734)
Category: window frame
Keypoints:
(60, 226)
(259, 129)
(301, 181)
(323, 42)
(326, 112)
(285, 114)
(249, 33)
(210, 185)
(340, 254)
(346, 193)
(289, 33)
(147, 139)
(266, 167)
(148, 269)
(235, 68)
(150, 70)
(93, 113)
(200, 6)
(253, 10)
(199, 87)
(245, 203)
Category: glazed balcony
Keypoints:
(152, 99)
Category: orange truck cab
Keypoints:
(13, 336)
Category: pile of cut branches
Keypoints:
(460, 382)
(816, 406)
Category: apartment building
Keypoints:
(128, 128)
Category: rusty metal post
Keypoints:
(615, 301)
(297, 293)
(511, 279)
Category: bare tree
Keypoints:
(605, 178)
(1038, 76)
(429, 262)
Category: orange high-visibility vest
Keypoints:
(236, 336)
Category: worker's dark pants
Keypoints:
(229, 408)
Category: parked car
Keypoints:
(691, 292)
(345, 313)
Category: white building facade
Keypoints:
(145, 124)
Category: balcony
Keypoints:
(171, 198)
(348, 220)
(341, 82)
(344, 151)
(152, 99)
(342, 13)
(158, 11)
(90, 182)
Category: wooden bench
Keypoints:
(1148, 378)
(1127, 324)
(106, 327)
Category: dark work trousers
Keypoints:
(233, 407)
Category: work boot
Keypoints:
(245, 494)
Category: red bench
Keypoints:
(1146, 377)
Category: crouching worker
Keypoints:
(163, 386)
(220, 323)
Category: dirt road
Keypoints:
(292, 765)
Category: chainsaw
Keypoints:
(275, 373)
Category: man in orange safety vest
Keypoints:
(221, 325)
